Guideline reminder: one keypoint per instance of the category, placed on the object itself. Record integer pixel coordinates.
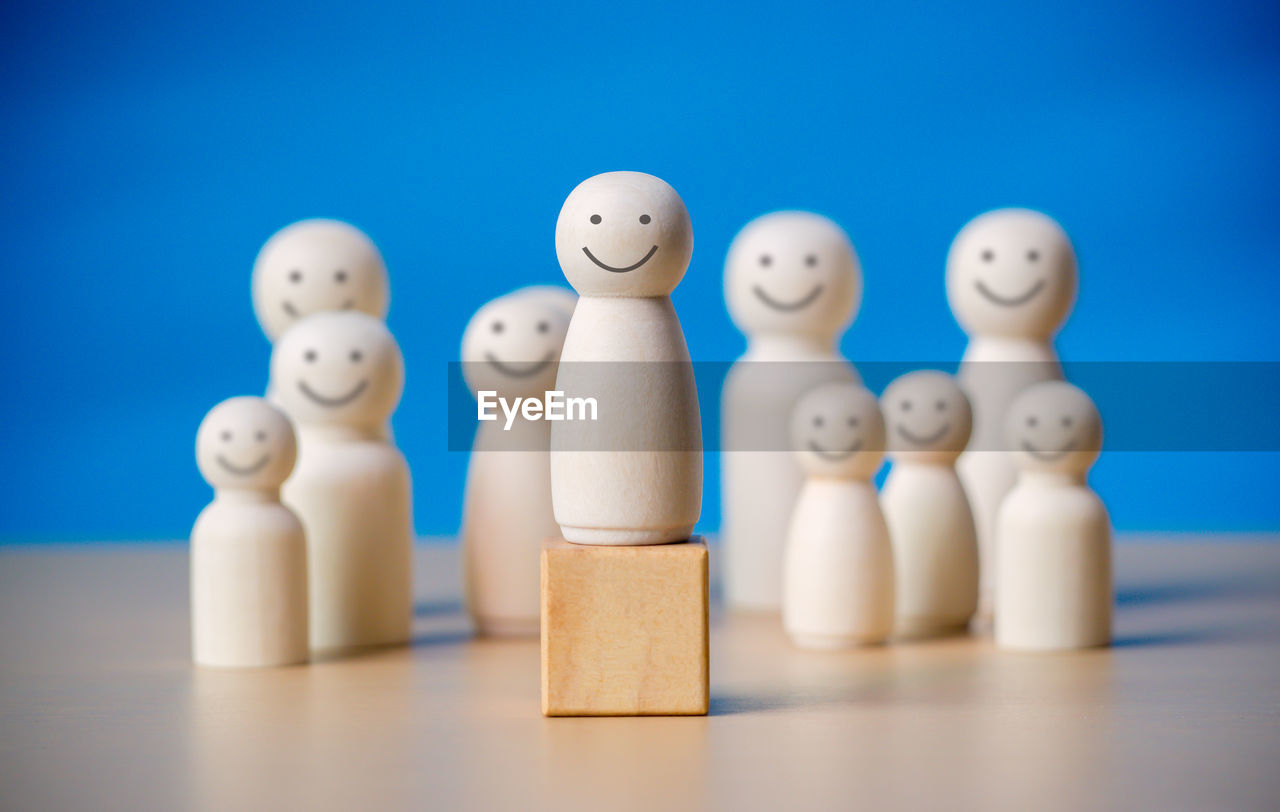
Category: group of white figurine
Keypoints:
(290, 558)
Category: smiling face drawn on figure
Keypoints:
(792, 273)
(338, 368)
(1054, 427)
(245, 442)
(624, 234)
(928, 417)
(314, 266)
(512, 345)
(1011, 273)
(837, 431)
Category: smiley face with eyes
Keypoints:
(1054, 427)
(792, 272)
(245, 442)
(928, 415)
(624, 234)
(313, 266)
(1011, 272)
(512, 345)
(338, 368)
(837, 431)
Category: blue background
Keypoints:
(152, 148)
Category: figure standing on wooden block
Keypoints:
(935, 546)
(624, 241)
(792, 284)
(339, 375)
(1011, 281)
(313, 266)
(838, 584)
(248, 551)
(510, 350)
(1053, 535)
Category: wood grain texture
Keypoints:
(624, 629)
(101, 709)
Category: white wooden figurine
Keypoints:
(1011, 281)
(837, 588)
(792, 284)
(248, 552)
(339, 375)
(1053, 535)
(634, 476)
(510, 350)
(935, 546)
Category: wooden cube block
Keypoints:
(624, 629)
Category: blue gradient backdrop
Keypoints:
(152, 147)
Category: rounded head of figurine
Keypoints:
(792, 273)
(1054, 427)
(313, 266)
(512, 345)
(1011, 273)
(245, 443)
(339, 368)
(837, 431)
(560, 298)
(928, 417)
(624, 234)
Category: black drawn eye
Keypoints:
(1031, 421)
(811, 260)
(906, 405)
(310, 355)
(496, 327)
(817, 422)
(1033, 255)
(356, 355)
(1066, 422)
(853, 421)
(261, 436)
(645, 219)
(340, 276)
(988, 255)
(595, 219)
(543, 327)
(941, 405)
(295, 276)
(765, 260)
(226, 436)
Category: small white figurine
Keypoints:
(248, 551)
(837, 588)
(935, 546)
(510, 349)
(1011, 281)
(633, 477)
(1053, 535)
(339, 375)
(316, 265)
(792, 284)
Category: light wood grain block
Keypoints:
(624, 629)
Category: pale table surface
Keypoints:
(99, 707)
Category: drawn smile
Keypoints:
(834, 456)
(342, 400)
(786, 307)
(1007, 301)
(521, 371)
(1047, 456)
(612, 269)
(288, 307)
(240, 470)
(929, 440)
